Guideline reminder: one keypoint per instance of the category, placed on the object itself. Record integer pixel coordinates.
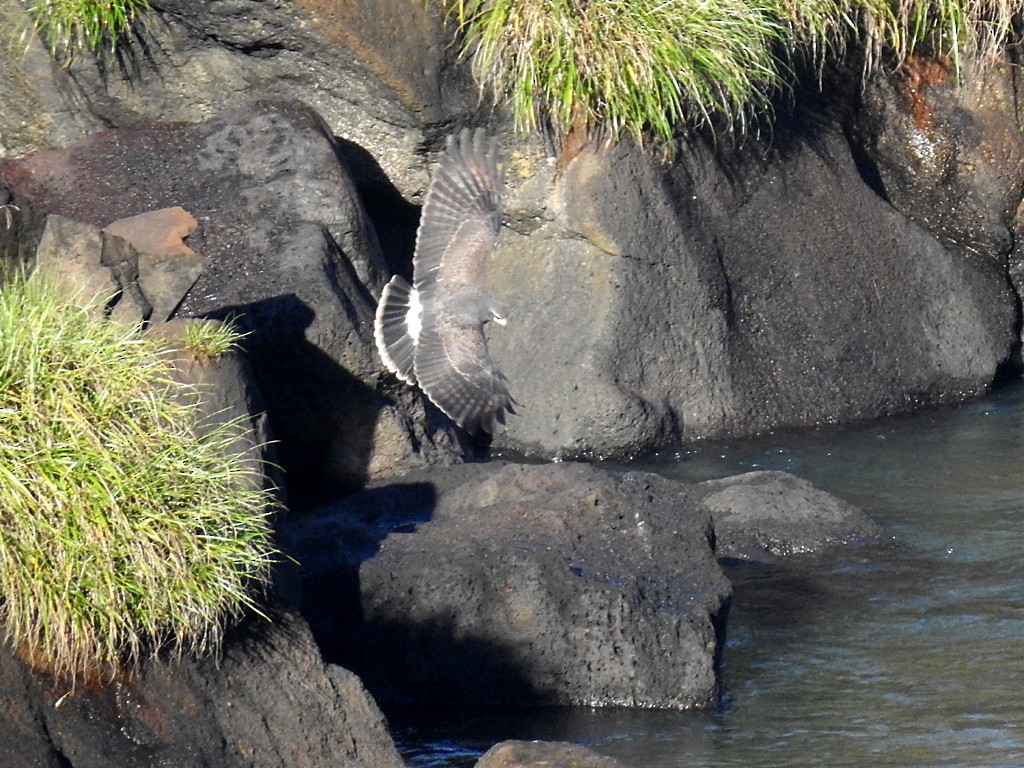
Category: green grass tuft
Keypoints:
(92, 25)
(649, 68)
(629, 66)
(208, 341)
(122, 530)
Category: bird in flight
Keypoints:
(430, 333)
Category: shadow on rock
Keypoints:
(393, 217)
(332, 545)
(323, 416)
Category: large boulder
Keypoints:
(651, 304)
(519, 584)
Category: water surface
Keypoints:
(908, 657)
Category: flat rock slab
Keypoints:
(520, 584)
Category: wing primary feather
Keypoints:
(461, 212)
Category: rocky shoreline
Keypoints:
(819, 277)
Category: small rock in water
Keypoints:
(543, 754)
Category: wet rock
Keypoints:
(543, 754)
(288, 253)
(270, 702)
(765, 515)
(516, 584)
(950, 156)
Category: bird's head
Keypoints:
(497, 313)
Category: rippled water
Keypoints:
(911, 658)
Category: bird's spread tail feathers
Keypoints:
(396, 341)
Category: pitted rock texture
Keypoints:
(518, 584)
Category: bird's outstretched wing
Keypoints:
(461, 214)
(456, 372)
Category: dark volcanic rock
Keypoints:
(852, 268)
(269, 703)
(288, 254)
(555, 584)
(764, 515)
(949, 154)
(377, 70)
(543, 754)
(713, 297)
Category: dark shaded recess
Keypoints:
(821, 96)
(21, 228)
(393, 217)
(301, 385)
(394, 661)
(329, 568)
(436, 658)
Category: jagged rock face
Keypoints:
(286, 251)
(950, 156)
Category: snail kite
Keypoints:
(430, 333)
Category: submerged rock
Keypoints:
(766, 515)
(543, 754)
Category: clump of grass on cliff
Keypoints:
(209, 341)
(122, 530)
(91, 25)
(630, 66)
(650, 67)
